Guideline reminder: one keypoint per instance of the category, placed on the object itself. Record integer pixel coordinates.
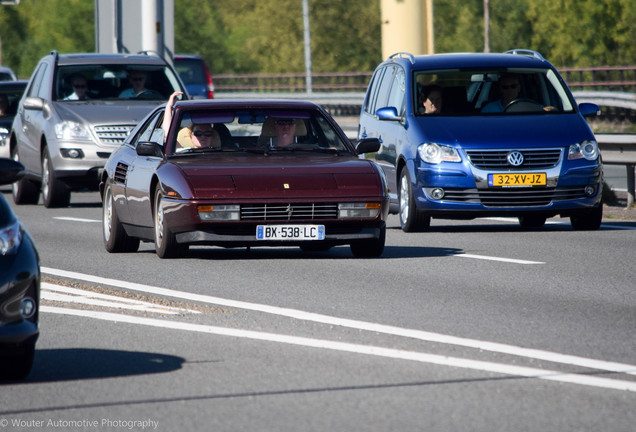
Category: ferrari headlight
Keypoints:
(435, 153)
(358, 210)
(10, 239)
(587, 149)
(70, 130)
(220, 212)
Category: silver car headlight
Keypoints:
(70, 130)
(587, 149)
(435, 153)
(4, 133)
(10, 239)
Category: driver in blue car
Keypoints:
(509, 88)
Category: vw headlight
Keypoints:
(587, 149)
(435, 153)
(70, 130)
(10, 239)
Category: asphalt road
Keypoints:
(474, 326)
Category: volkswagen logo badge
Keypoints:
(515, 158)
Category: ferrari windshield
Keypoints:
(268, 130)
(489, 92)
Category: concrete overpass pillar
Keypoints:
(407, 25)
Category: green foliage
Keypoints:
(266, 36)
(34, 27)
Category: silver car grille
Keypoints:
(113, 134)
(497, 159)
(291, 211)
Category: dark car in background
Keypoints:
(6, 74)
(10, 94)
(243, 188)
(19, 286)
(64, 140)
(532, 157)
(195, 75)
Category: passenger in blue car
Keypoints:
(509, 88)
(431, 99)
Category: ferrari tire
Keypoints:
(166, 245)
(115, 237)
(369, 248)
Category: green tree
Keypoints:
(585, 32)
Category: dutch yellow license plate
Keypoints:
(517, 179)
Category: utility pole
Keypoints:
(486, 26)
(307, 40)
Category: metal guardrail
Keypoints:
(620, 149)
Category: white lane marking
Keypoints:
(74, 219)
(499, 368)
(489, 258)
(73, 295)
(359, 325)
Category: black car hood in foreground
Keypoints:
(271, 177)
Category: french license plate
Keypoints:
(290, 232)
(517, 179)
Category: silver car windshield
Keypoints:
(489, 92)
(95, 82)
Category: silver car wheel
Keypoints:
(46, 175)
(158, 222)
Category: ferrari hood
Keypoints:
(280, 177)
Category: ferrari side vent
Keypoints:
(120, 173)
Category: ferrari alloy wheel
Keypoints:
(115, 237)
(166, 245)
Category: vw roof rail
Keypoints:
(402, 54)
(526, 52)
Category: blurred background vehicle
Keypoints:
(6, 74)
(195, 75)
(10, 94)
(19, 286)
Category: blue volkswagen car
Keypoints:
(476, 135)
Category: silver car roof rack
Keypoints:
(402, 54)
(526, 52)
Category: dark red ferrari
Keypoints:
(243, 173)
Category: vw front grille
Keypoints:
(497, 159)
(113, 134)
(515, 197)
(291, 211)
